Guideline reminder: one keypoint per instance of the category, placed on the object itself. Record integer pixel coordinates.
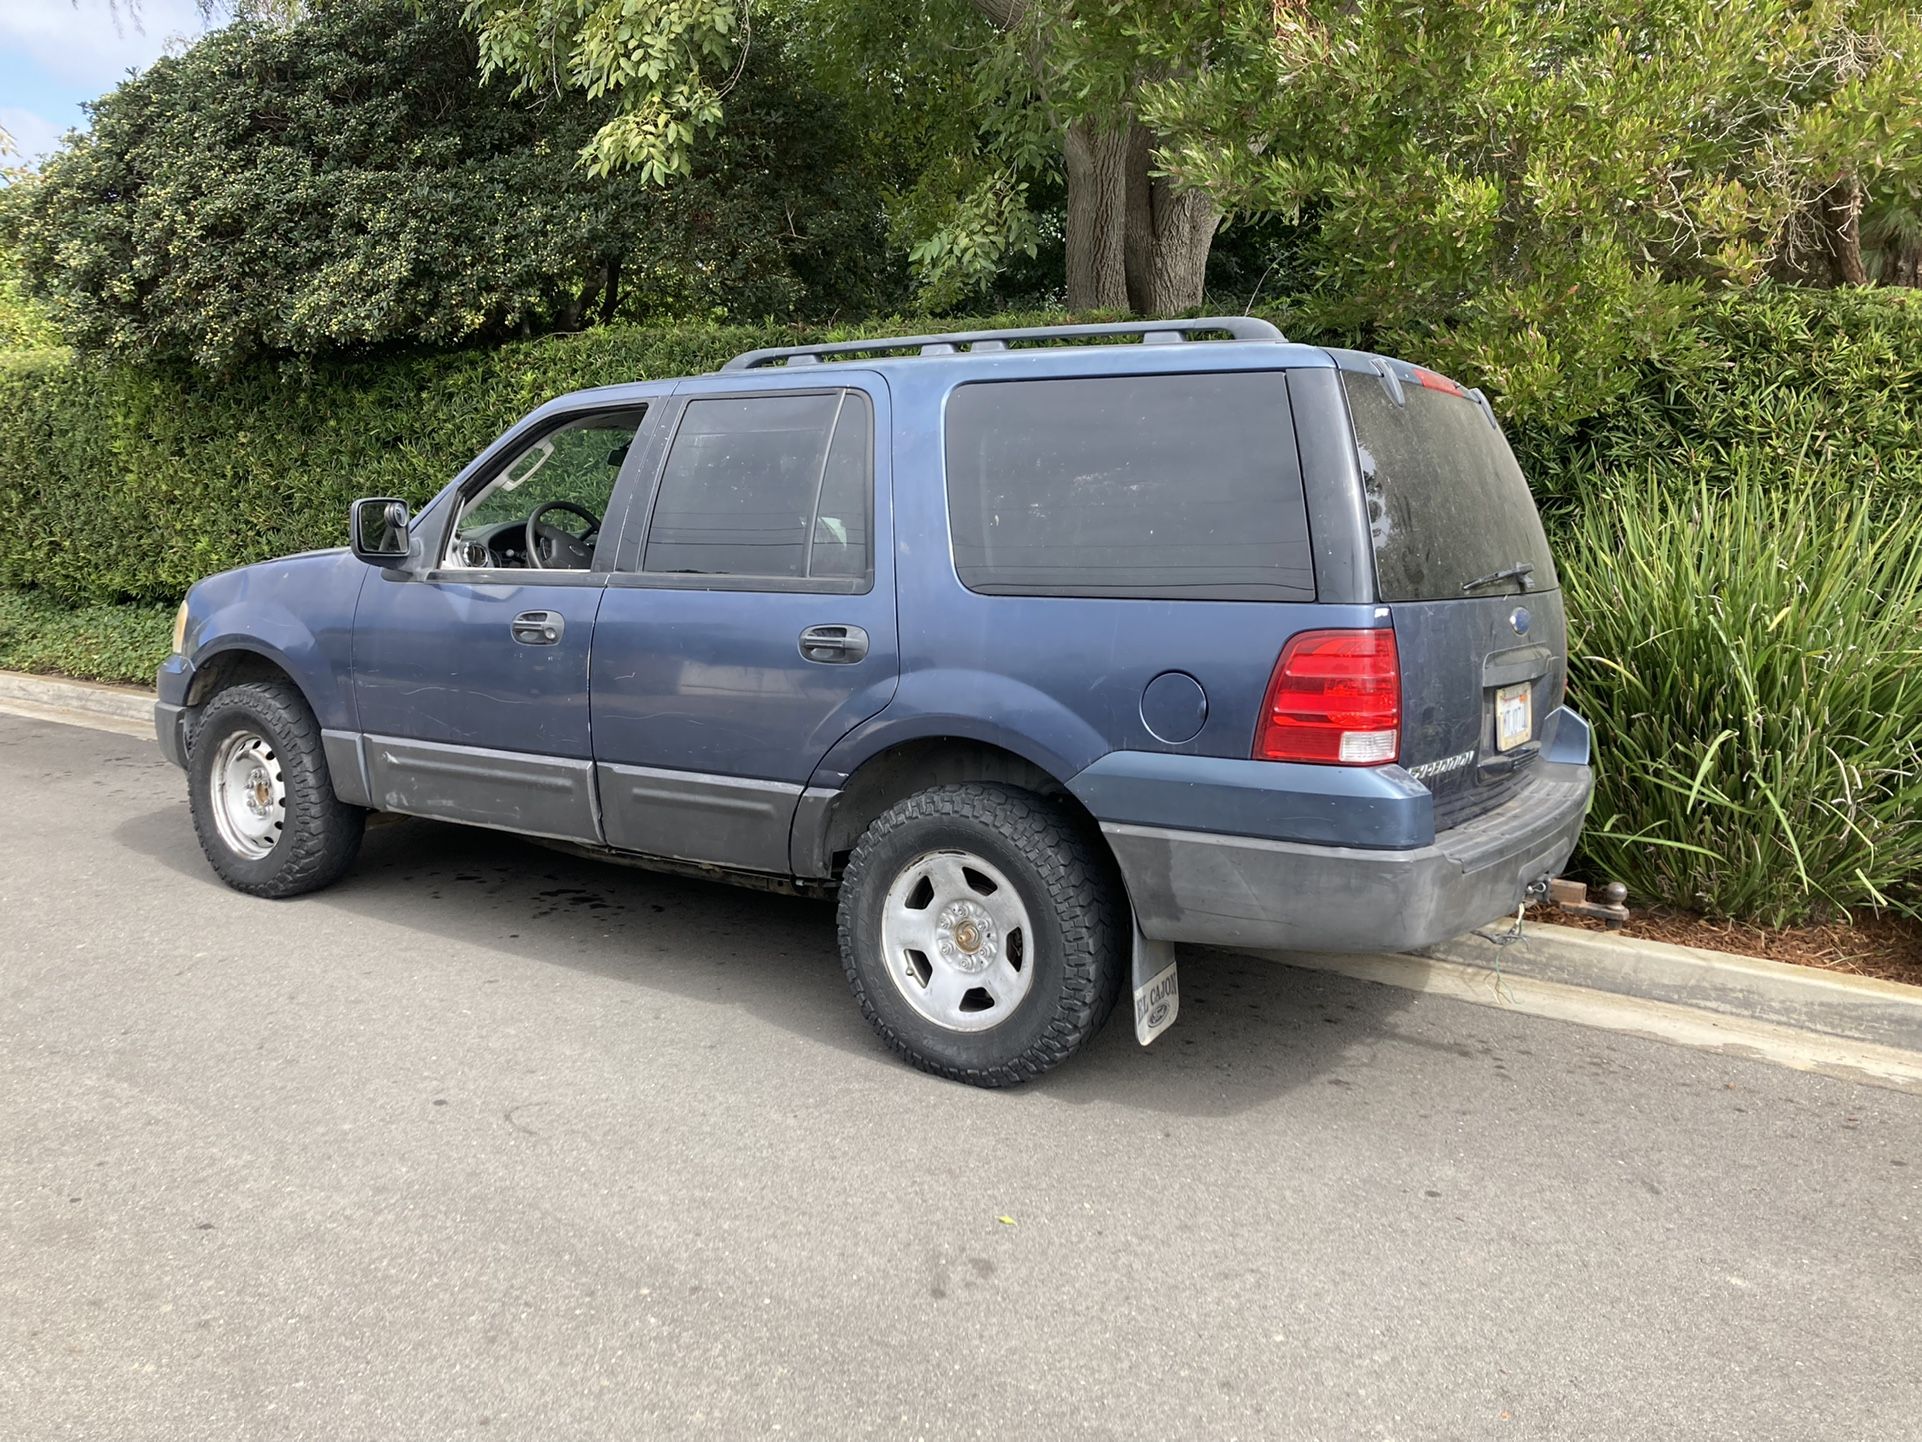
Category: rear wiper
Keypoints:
(1520, 571)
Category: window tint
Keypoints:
(1446, 502)
(1173, 486)
(774, 486)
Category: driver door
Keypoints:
(470, 664)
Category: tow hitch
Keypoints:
(1563, 895)
(1572, 897)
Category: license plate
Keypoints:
(1514, 715)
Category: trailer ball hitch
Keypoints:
(1572, 897)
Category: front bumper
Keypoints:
(1297, 896)
(170, 727)
(173, 683)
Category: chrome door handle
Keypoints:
(834, 645)
(538, 628)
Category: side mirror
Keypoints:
(377, 530)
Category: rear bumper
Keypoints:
(1245, 891)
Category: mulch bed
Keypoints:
(1889, 947)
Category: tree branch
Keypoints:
(1003, 14)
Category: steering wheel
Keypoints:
(544, 543)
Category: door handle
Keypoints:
(538, 628)
(834, 645)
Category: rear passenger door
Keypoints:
(749, 622)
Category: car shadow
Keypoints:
(1249, 1029)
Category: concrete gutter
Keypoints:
(1897, 1068)
(1854, 1027)
(127, 710)
(1861, 1008)
(1679, 992)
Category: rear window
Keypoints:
(1174, 487)
(1447, 505)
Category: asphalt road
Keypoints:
(491, 1142)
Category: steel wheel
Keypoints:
(249, 794)
(955, 939)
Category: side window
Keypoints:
(571, 472)
(777, 487)
(1173, 487)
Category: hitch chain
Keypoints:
(1533, 894)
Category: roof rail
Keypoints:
(1152, 332)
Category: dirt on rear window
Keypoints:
(1447, 504)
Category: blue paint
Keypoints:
(1174, 708)
(1144, 710)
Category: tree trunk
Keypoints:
(1135, 243)
(1170, 233)
(611, 297)
(1138, 250)
(1840, 213)
(1097, 162)
(1904, 266)
(1184, 233)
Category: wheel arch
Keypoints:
(829, 823)
(235, 663)
(221, 667)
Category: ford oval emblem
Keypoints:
(1521, 620)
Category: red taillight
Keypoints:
(1335, 698)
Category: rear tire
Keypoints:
(263, 802)
(982, 932)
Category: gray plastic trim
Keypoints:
(347, 766)
(1195, 886)
(728, 821)
(171, 732)
(508, 790)
(808, 854)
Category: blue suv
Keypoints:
(1043, 651)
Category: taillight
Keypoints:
(1335, 698)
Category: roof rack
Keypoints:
(1152, 332)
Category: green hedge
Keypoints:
(123, 484)
(126, 484)
(1823, 384)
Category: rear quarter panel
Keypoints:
(1059, 680)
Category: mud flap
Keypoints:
(1157, 990)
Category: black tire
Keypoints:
(319, 836)
(1073, 902)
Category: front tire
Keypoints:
(263, 802)
(982, 933)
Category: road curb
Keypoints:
(1847, 1058)
(96, 698)
(1833, 1003)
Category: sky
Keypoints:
(54, 54)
